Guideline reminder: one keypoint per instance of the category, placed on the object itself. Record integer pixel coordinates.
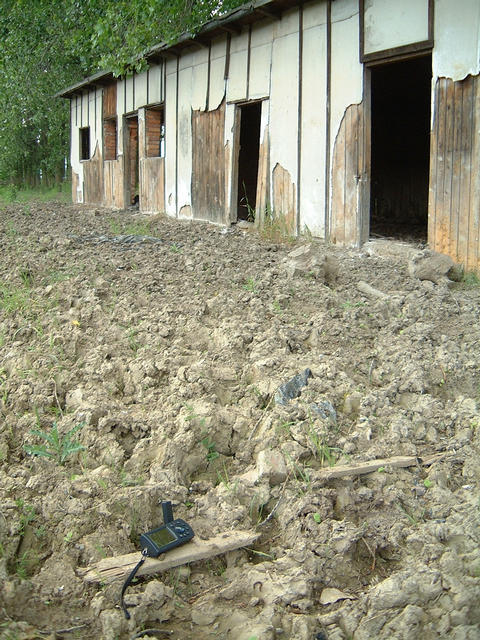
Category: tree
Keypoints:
(48, 45)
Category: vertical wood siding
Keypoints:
(152, 184)
(454, 196)
(113, 184)
(110, 100)
(349, 178)
(93, 178)
(208, 167)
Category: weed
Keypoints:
(277, 307)
(68, 537)
(300, 472)
(21, 565)
(471, 279)
(250, 285)
(174, 248)
(132, 341)
(27, 514)
(353, 305)
(225, 480)
(277, 228)
(212, 453)
(427, 483)
(56, 447)
(317, 517)
(262, 554)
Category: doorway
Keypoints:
(249, 146)
(131, 161)
(400, 151)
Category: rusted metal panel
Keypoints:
(284, 197)
(208, 171)
(93, 178)
(348, 172)
(454, 196)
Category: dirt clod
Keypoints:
(165, 342)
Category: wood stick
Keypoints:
(362, 468)
(370, 291)
(117, 568)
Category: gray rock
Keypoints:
(293, 388)
(429, 265)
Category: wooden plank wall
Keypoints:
(284, 197)
(152, 184)
(263, 185)
(208, 168)
(454, 195)
(110, 100)
(93, 178)
(113, 195)
(349, 178)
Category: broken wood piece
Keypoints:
(370, 291)
(362, 468)
(118, 568)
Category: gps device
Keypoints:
(171, 534)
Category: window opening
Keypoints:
(85, 143)
(155, 132)
(110, 138)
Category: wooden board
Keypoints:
(93, 178)
(208, 167)
(152, 184)
(454, 197)
(284, 197)
(111, 569)
(348, 172)
(363, 468)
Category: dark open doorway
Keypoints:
(131, 161)
(401, 94)
(250, 117)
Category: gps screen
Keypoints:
(161, 537)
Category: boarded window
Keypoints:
(110, 138)
(85, 143)
(155, 132)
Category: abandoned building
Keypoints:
(347, 118)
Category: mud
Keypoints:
(164, 345)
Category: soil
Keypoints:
(155, 351)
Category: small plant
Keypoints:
(27, 514)
(471, 279)
(68, 537)
(174, 248)
(56, 447)
(224, 479)
(250, 285)
(317, 517)
(212, 453)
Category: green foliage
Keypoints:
(56, 447)
(48, 45)
(212, 453)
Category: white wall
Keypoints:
(314, 98)
(390, 23)
(456, 52)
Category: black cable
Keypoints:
(127, 582)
